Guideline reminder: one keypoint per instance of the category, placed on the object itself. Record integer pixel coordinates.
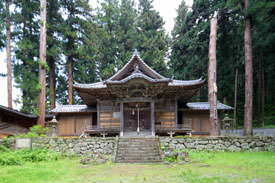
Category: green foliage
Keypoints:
(3, 148)
(35, 131)
(44, 65)
(21, 156)
(152, 38)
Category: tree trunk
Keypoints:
(70, 78)
(263, 88)
(42, 64)
(235, 99)
(8, 51)
(248, 74)
(52, 82)
(212, 86)
(259, 92)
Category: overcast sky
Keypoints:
(166, 8)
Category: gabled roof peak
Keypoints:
(142, 66)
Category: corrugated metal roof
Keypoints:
(27, 115)
(206, 106)
(72, 109)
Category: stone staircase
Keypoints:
(138, 150)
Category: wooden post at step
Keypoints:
(121, 119)
(171, 133)
(235, 99)
(153, 118)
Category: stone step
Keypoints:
(134, 142)
(137, 140)
(139, 157)
(137, 146)
(143, 150)
(138, 161)
(138, 154)
(129, 150)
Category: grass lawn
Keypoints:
(204, 167)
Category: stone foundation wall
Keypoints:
(220, 143)
(70, 146)
(99, 146)
(77, 146)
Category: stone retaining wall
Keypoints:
(95, 145)
(99, 146)
(220, 143)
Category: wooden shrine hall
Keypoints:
(136, 100)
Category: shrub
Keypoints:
(4, 148)
(35, 131)
(20, 156)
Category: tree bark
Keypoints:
(212, 86)
(263, 89)
(70, 80)
(248, 73)
(42, 69)
(8, 51)
(235, 98)
(259, 96)
(52, 82)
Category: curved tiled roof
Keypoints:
(136, 54)
(186, 82)
(137, 75)
(147, 74)
(97, 85)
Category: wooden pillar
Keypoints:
(153, 117)
(121, 119)
(97, 111)
(176, 113)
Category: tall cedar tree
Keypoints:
(126, 32)
(2, 26)
(152, 39)
(26, 33)
(42, 64)
(54, 49)
(248, 113)
(108, 22)
(181, 43)
(77, 12)
(8, 52)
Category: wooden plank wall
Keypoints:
(106, 115)
(200, 120)
(73, 124)
(165, 114)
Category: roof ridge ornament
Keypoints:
(136, 53)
